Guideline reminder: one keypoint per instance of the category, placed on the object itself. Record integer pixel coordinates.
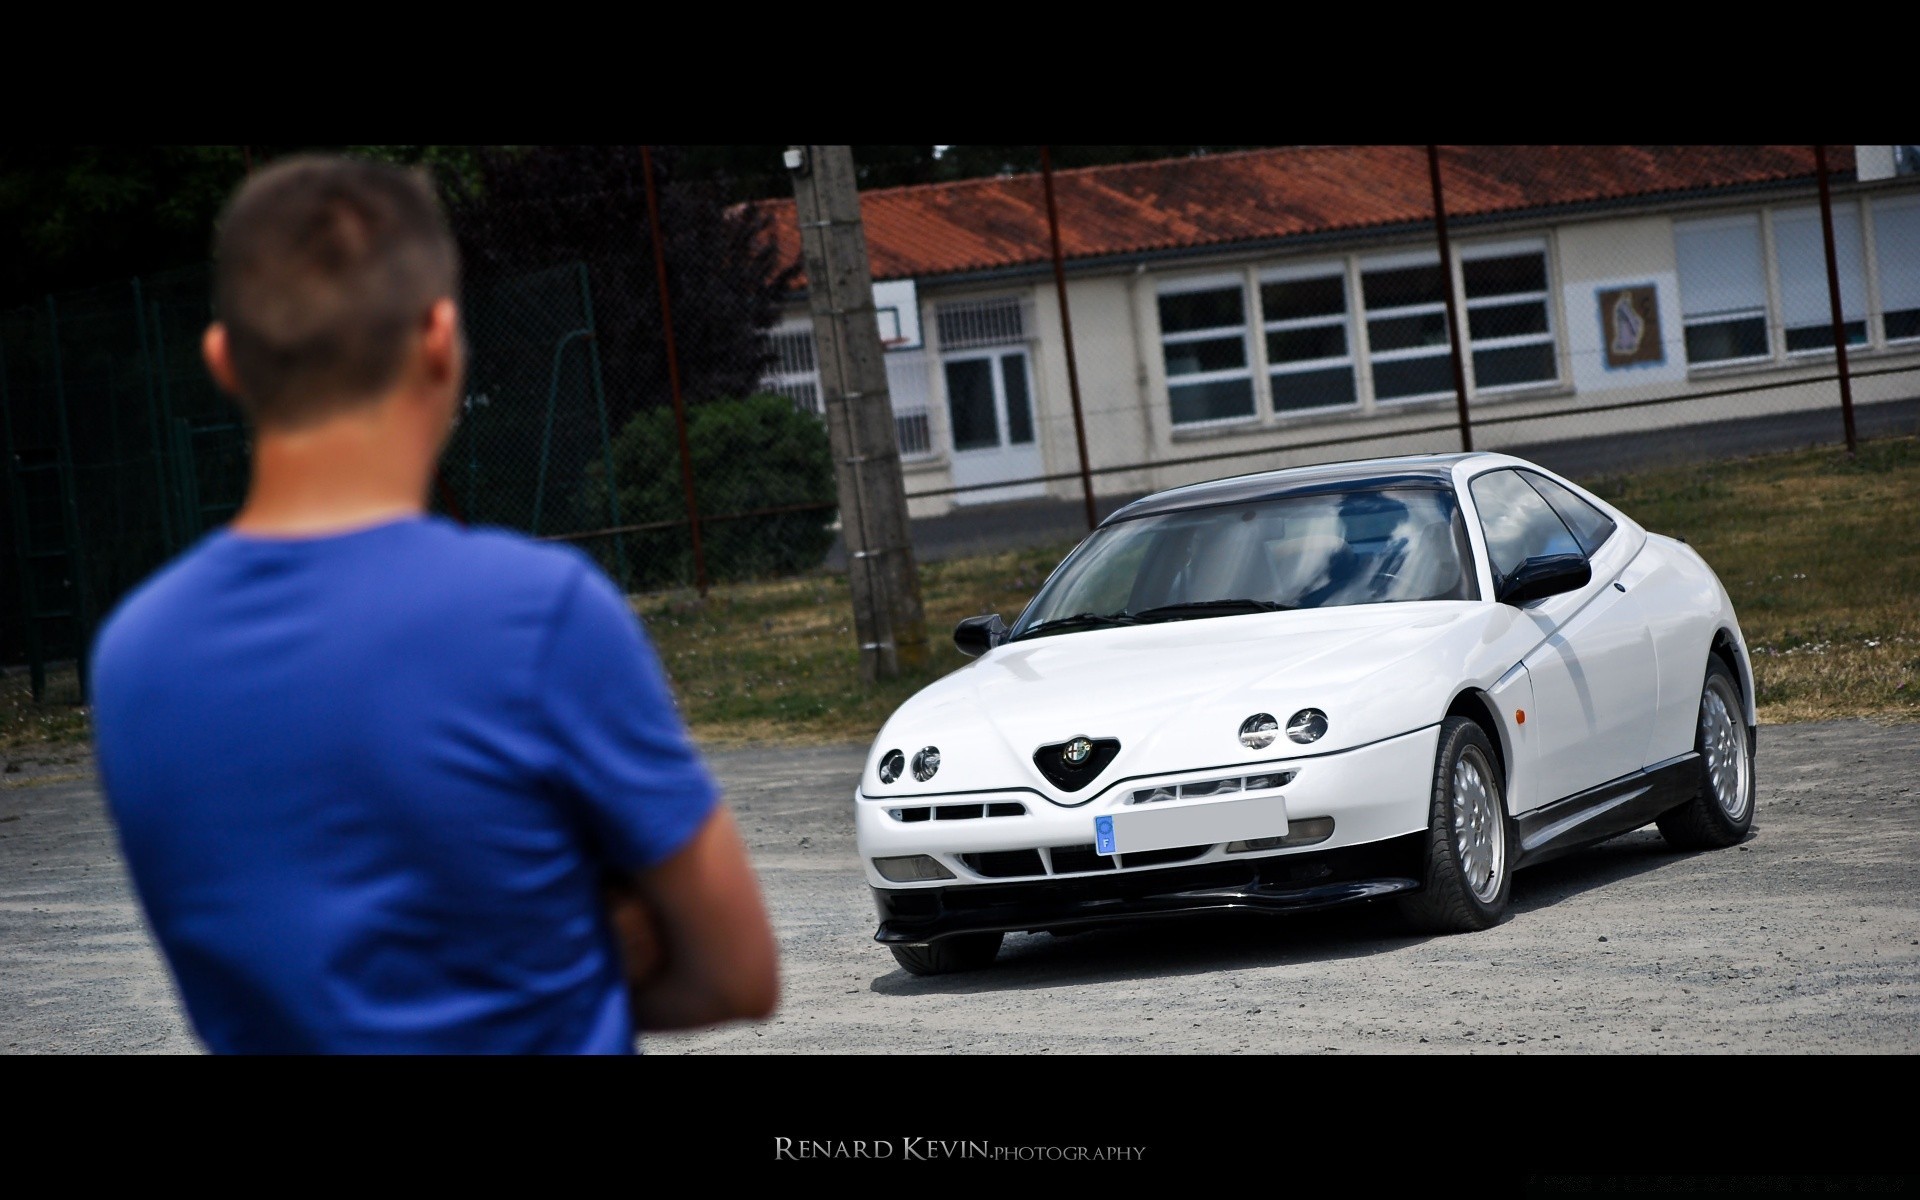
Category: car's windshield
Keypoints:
(1315, 551)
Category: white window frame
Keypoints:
(1325, 269)
(1395, 262)
(1550, 338)
(1871, 229)
(1763, 245)
(1773, 246)
(783, 378)
(1216, 282)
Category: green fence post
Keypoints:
(546, 434)
(606, 437)
(76, 548)
(17, 495)
(153, 416)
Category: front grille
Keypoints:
(959, 812)
(1154, 858)
(1078, 860)
(1071, 777)
(1400, 856)
(1004, 864)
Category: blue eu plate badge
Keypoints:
(1103, 834)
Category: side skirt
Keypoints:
(1602, 812)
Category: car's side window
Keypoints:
(1590, 526)
(1518, 524)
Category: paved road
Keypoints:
(1806, 938)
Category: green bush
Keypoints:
(749, 454)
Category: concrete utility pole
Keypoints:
(887, 617)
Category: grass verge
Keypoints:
(1821, 556)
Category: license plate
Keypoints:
(1162, 828)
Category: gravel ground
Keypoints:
(1806, 938)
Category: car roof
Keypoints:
(1413, 470)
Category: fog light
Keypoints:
(912, 868)
(1271, 843)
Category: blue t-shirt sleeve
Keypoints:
(620, 749)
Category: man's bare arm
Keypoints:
(717, 957)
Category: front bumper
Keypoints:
(1369, 794)
(1275, 884)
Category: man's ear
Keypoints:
(440, 341)
(213, 348)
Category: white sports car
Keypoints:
(1403, 677)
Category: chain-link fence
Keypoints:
(1228, 313)
(120, 452)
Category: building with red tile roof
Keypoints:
(1238, 311)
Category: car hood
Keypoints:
(1175, 694)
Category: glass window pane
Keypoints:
(1326, 388)
(1505, 275)
(1184, 311)
(1903, 324)
(1302, 345)
(1013, 372)
(1820, 337)
(1291, 299)
(1402, 286)
(1896, 243)
(1720, 267)
(1413, 377)
(1517, 523)
(1221, 400)
(1590, 526)
(1213, 354)
(1718, 341)
(1514, 365)
(1406, 333)
(970, 404)
(1506, 320)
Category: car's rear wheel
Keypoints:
(962, 952)
(1468, 865)
(1721, 813)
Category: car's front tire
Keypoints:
(962, 952)
(1721, 812)
(1469, 872)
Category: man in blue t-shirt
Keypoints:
(385, 783)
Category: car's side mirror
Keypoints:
(977, 635)
(1546, 575)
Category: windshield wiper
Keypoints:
(1210, 608)
(1088, 620)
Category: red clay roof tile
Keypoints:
(1257, 195)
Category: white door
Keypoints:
(1594, 680)
(990, 418)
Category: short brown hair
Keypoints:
(323, 269)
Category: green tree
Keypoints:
(748, 455)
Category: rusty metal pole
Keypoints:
(1453, 309)
(1833, 297)
(1066, 333)
(673, 374)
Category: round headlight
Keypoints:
(926, 763)
(1307, 725)
(1258, 731)
(891, 764)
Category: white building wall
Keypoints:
(1124, 385)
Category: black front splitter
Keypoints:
(1295, 883)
